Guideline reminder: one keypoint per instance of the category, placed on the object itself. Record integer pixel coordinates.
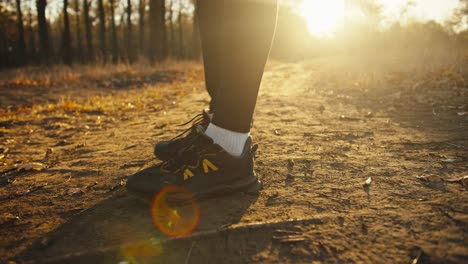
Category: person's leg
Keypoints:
(220, 158)
(209, 14)
(236, 37)
(210, 18)
(247, 31)
(246, 34)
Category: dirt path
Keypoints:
(322, 130)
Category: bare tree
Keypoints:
(43, 31)
(21, 42)
(88, 31)
(162, 30)
(141, 23)
(79, 44)
(66, 37)
(158, 40)
(115, 54)
(129, 38)
(196, 44)
(102, 30)
(171, 27)
(31, 39)
(181, 29)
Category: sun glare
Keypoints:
(323, 18)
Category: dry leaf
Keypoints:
(430, 178)
(448, 160)
(368, 181)
(74, 191)
(30, 166)
(464, 180)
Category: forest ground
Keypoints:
(323, 126)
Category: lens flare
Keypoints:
(175, 212)
(131, 253)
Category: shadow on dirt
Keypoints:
(122, 229)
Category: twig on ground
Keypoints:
(189, 253)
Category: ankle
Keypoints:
(231, 141)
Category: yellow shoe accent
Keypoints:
(208, 165)
(187, 174)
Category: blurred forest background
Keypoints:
(70, 32)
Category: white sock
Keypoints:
(232, 142)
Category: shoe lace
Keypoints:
(188, 155)
(196, 120)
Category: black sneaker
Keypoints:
(166, 150)
(203, 168)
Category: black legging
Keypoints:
(236, 39)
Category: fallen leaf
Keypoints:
(75, 191)
(30, 166)
(289, 239)
(464, 180)
(368, 181)
(448, 160)
(430, 178)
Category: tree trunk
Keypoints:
(115, 54)
(102, 30)
(88, 32)
(158, 39)
(31, 39)
(129, 38)
(152, 25)
(162, 29)
(79, 44)
(122, 34)
(43, 31)
(181, 28)
(196, 42)
(21, 43)
(141, 24)
(3, 49)
(171, 29)
(66, 39)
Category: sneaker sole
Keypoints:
(250, 186)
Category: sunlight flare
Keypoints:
(326, 18)
(170, 217)
(323, 18)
